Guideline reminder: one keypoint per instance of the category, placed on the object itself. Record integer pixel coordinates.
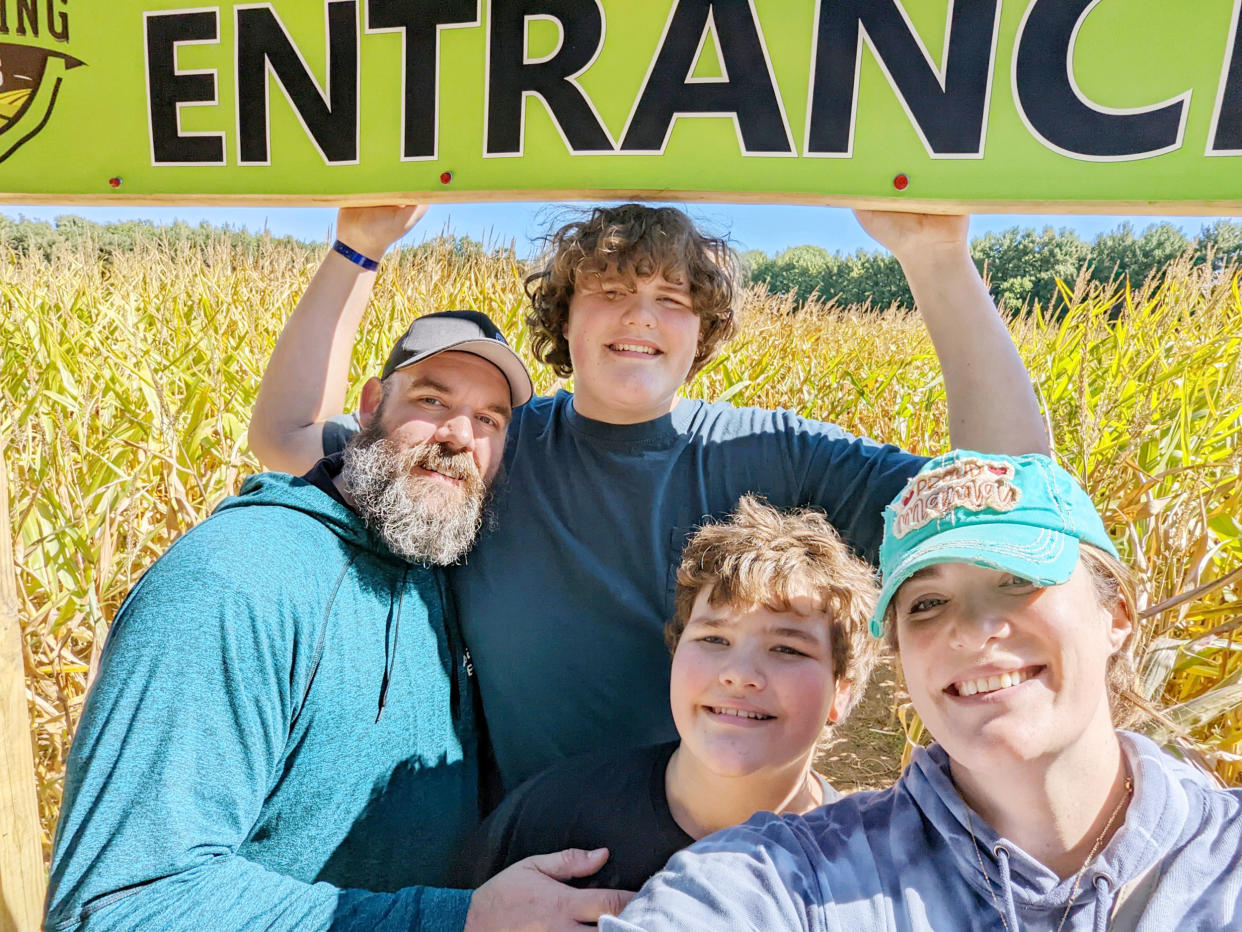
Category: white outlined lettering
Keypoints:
(269, 71)
(1073, 116)
(157, 136)
(661, 94)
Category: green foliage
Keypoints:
(1221, 241)
(805, 272)
(1122, 255)
(876, 279)
(749, 260)
(77, 235)
(1022, 266)
(801, 271)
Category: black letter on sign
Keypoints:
(420, 22)
(168, 89)
(1055, 110)
(1226, 132)
(511, 77)
(332, 123)
(948, 106)
(747, 92)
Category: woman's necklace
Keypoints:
(1095, 849)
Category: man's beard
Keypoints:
(419, 517)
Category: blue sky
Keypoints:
(769, 228)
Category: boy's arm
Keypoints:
(305, 379)
(992, 405)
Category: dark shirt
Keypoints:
(614, 800)
(565, 595)
(322, 474)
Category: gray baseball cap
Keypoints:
(461, 332)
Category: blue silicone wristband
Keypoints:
(355, 257)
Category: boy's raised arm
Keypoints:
(992, 405)
(306, 377)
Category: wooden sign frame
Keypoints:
(22, 878)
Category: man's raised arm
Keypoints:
(992, 405)
(306, 377)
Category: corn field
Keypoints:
(128, 381)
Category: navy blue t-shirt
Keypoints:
(613, 800)
(564, 598)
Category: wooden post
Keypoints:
(22, 879)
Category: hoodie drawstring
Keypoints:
(1103, 902)
(1011, 910)
(390, 645)
(1103, 894)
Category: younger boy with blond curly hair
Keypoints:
(770, 650)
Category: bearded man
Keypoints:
(281, 734)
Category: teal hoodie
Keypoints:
(280, 735)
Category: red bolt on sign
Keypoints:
(115, 181)
(901, 182)
(446, 177)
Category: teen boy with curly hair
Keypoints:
(564, 599)
(643, 242)
(770, 651)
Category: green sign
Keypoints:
(995, 104)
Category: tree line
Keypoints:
(25, 236)
(1021, 266)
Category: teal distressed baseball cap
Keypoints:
(1019, 514)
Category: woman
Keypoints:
(1010, 613)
